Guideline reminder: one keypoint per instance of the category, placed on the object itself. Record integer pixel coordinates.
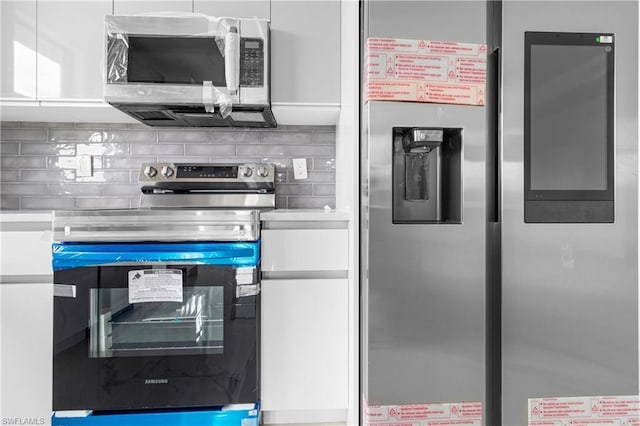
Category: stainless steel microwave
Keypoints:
(189, 70)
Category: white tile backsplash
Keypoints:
(38, 161)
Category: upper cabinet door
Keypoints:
(18, 49)
(305, 51)
(71, 48)
(134, 7)
(236, 9)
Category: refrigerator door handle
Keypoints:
(493, 139)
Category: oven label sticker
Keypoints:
(155, 285)
(585, 411)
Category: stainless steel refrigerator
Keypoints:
(499, 255)
(569, 290)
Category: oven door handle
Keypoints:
(247, 290)
(64, 290)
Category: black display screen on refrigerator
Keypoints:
(568, 124)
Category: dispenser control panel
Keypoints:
(427, 135)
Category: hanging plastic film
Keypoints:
(151, 38)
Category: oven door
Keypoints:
(146, 325)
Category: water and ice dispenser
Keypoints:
(427, 175)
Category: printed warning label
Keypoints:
(439, 414)
(399, 45)
(585, 411)
(421, 91)
(424, 67)
(407, 70)
(471, 70)
(155, 285)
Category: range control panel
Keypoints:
(182, 172)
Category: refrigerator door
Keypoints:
(423, 284)
(570, 291)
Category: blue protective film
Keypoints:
(75, 255)
(223, 417)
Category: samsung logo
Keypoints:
(156, 381)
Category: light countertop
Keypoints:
(304, 214)
(25, 216)
(271, 215)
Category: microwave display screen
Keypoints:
(175, 60)
(207, 172)
(252, 44)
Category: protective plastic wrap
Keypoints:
(228, 415)
(73, 255)
(432, 71)
(223, 32)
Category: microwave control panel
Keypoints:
(251, 62)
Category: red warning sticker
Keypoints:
(394, 65)
(444, 93)
(425, 46)
(471, 70)
(440, 414)
(585, 411)
(421, 67)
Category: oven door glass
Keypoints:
(151, 326)
(123, 329)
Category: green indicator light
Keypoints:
(598, 39)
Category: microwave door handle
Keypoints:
(232, 60)
(196, 114)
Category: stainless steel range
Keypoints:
(158, 308)
(207, 185)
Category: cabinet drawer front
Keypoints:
(26, 253)
(305, 250)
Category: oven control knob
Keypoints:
(262, 171)
(246, 172)
(150, 171)
(167, 172)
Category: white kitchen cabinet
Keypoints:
(305, 348)
(236, 9)
(25, 246)
(71, 48)
(305, 250)
(55, 72)
(26, 253)
(134, 7)
(18, 49)
(26, 314)
(26, 332)
(304, 339)
(305, 52)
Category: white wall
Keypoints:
(347, 180)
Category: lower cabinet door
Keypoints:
(26, 313)
(304, 344)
